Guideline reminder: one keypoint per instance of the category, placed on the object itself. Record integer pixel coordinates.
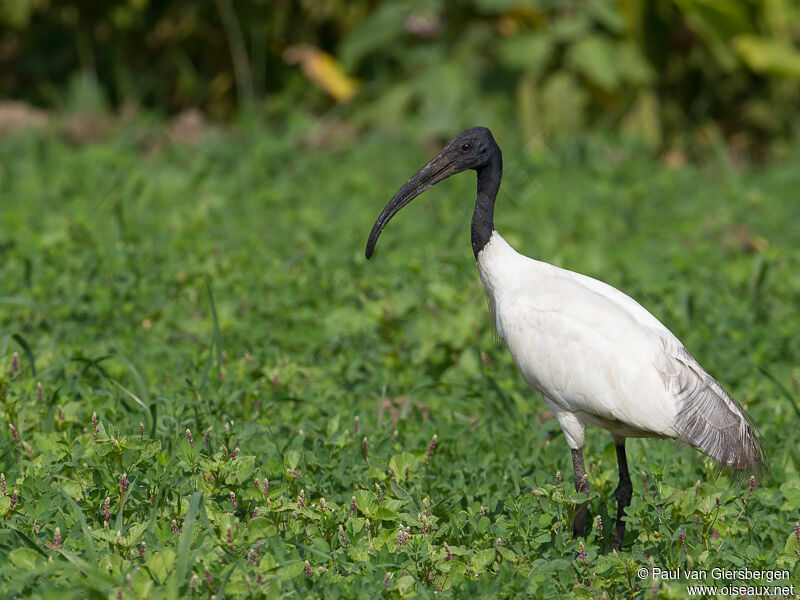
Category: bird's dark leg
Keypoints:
(581, 485)
(623, 493)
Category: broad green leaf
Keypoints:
(136, 531)
(73, 488)
(367, 503)
(161, 563)
(403, 465)
(24, 558)
(259, 528)
(481, 559)
(596, 58)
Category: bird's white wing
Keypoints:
(706, 415)
(586, 352)
(598, 354)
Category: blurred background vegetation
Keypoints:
(677, 74)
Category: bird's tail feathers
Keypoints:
(710, 420)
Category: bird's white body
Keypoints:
(596, 355)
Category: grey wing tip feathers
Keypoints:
(710, 420)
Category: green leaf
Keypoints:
(259, 528)
(87, 536)
(291, 569)
(73, 488)
(481, 559)
(161, 563)
(292, 458)
(184, 546)
(563, 103)
(595, 58)
(405, 584)
(243, 468)
(136, 531)
(542, 538)
(144, 449)
(768, 55)
(24, 558)
(367, 503)
(483, 524)
(527, 51)
(392, 505)
(403, 465)
(385, 514)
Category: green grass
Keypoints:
(223, 289)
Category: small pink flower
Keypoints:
(189, 437)
(14, 435)
(57, 542)
(431, 448)
(106, 513)
(403, 536)
(581, 551)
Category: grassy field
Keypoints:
(277, 416)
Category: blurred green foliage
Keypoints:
(110, 258)
(673, 72)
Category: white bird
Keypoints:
(595, 355)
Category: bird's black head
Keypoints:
(473, 148)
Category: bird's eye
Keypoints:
(466, 147)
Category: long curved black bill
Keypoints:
(438, 168)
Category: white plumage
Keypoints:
(595, 355)
(598, 357)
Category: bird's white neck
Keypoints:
(497, 265)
